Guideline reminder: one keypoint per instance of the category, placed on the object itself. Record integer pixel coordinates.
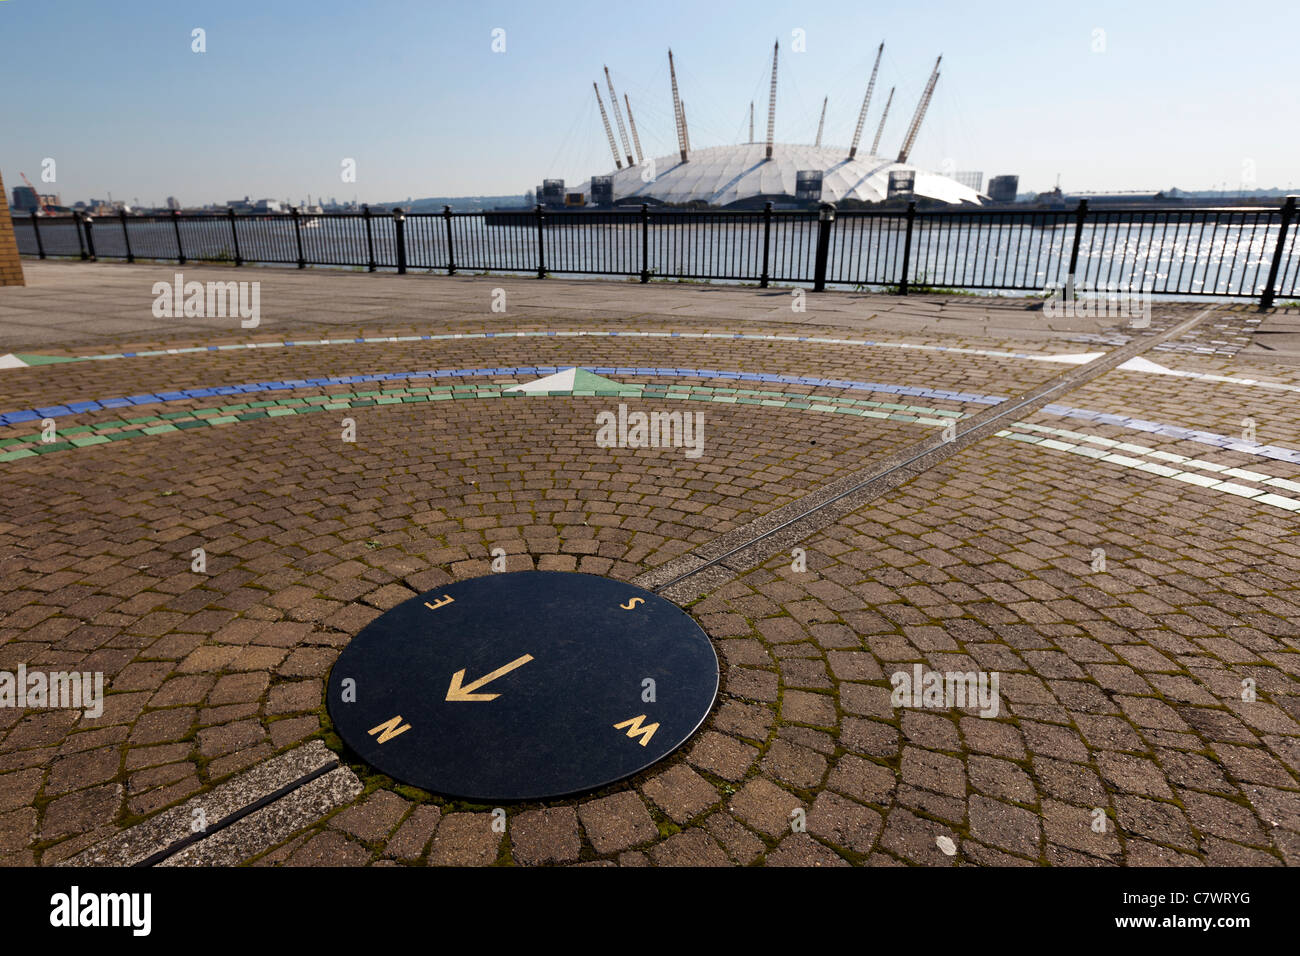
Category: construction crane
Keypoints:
(915, 128)
(40, 203)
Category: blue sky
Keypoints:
(1194, 94)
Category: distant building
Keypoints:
(173, 202)
(602, 190)
(247, 205)
(553, 192)
(1004, 188)
(902, 184)
(971, 180)
(26, 199)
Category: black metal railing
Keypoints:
(1241, 252)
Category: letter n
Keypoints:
(389, 729)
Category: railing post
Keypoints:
(36, 231)
(645, 243)
(1079, 215)
(907, 247)
(1288, 214)
(90, 237)
(81, 239)
(541, 245)
(825, 218)
(176, 226)
(451, 251)
(234, 235)
(370, 239)
(767, 236)
(399, 226)
(126, 235)
(297, 235)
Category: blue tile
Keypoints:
(84, 406)
(26, 415)
(51, 411)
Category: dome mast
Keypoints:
(604, 118)
(920, 114)
(640, 157)
(771, 102)
(821, 123)
(618, 118)
(679, 118)
(866, 100)
(875, 145)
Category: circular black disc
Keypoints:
(594, 680)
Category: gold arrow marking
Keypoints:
(457, 692)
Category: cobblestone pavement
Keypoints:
(1124, 560)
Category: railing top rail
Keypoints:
(634, 211)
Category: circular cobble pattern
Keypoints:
(1146, 710)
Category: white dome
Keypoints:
(722, 175)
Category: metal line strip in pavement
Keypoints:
(721, 559)
(172, 831)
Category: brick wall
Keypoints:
(11, 270)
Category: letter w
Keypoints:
(636, 730)
(390, 729)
